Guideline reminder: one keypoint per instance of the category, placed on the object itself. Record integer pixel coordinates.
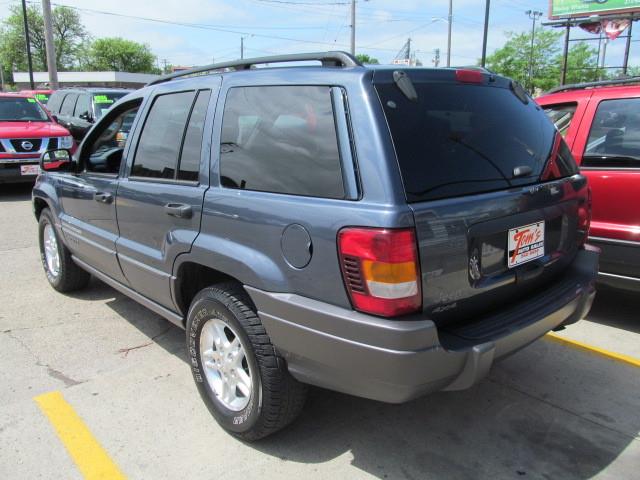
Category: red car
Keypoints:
(26, 130)
(601, 124)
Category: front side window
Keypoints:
(161, 137)
(21, 109)
(68, 104)
(281, 139)
(614, 139)
(105, 154)
(561, 116)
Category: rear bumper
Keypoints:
(398, 360)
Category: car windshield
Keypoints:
(103, 101)
(21, 109)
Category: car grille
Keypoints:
(17, 145)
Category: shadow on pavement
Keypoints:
(616, 308)
(547, 412)
(16, 192)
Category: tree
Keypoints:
(512, 60)
(366, 59)
(581, 64)
(121, 55)
(68, 35)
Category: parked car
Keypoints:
(26, 130)
(41, 94)
(77, 109)
(383, 232)
(601, 124)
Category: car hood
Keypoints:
(31, 130)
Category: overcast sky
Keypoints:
(286, 26)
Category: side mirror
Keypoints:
(58, 160)
(86, 116)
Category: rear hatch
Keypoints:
(498, 202)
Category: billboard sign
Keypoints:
(585, 8)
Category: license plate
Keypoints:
(29, 169)
(525, 244)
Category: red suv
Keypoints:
(26, 130)
(601, 124)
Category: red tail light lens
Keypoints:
(381, 270)
(469, 76)
(584, 219)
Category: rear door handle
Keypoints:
(179, 210)
(103, 197)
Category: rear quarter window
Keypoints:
(561, 116)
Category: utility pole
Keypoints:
(28, 42)
(1, 78)
(436, 57)
(241, 47)
(486, 32)
(164, 65)
(533, 15)
(565, 54)
(49, 45)
(353, 27)
(625, 64)
(449, 22)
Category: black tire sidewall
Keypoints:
(45, 219)
(209, 304)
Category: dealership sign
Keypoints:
(585, 8)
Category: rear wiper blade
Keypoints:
(405, 85)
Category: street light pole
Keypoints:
(28, 42)
(353, 27)
(533, 15)
(486, 31)
(449, 22)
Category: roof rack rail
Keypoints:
(602, 83)
(328, 59)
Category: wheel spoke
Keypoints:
(243, 382)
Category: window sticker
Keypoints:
(102, 99)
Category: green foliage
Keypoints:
(120, 55)
(366, 59)
(69, 35)
(581, 64)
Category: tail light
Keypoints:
(584, 219)
(381, 270)
(469, 76)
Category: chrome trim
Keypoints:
(44, 144)
(8, 161)
(143, 266)
(619, 277)
(630, 243)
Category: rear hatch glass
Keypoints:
(461, 139)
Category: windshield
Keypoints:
(458, 139)
(21, 109)
(104, 101)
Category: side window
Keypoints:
(54, 103)
(614, 139)
(161, 137)
(561, 116)
(281, 139)
(83, 106)
(104, 155)
(192, 146)
(68, 104)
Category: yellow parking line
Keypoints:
(90, 458)
(618, 357)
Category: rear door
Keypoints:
(159, 204)
(495, 191)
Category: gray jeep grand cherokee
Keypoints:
(383, 232)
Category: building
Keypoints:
(86, 79)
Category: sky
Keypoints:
(197, 32)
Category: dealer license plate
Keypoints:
(525, 244)
(29, 169)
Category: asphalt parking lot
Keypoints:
(552, 410)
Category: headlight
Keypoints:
(65, 142)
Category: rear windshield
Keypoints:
(103, 101)
(21, 109)
(459, 139)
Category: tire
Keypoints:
(68, 276)
(275, 397)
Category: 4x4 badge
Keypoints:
(27, 145)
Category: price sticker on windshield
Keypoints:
(525, 244)
(102, 99)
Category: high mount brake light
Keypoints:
(469, 76)
(381, 270)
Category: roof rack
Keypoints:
(602, 83)
(328, 59)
